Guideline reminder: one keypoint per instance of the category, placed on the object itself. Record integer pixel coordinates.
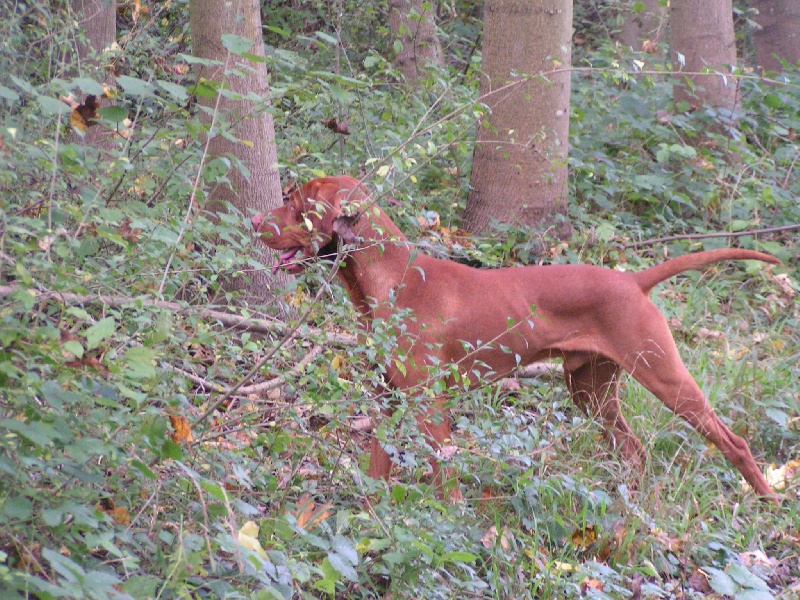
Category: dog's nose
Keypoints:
(256, 221)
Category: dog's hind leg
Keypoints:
(657, 365)
(594, 386)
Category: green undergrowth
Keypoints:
(104, 494)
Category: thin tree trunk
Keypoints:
(98, 19)
(648, 24)
(244, 120)
(519, 172)
(779, 34)
(412, 24)
(702, 37)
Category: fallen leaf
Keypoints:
(584, 537)
(591, 584)
(119, 514)
(248, 538)
(649, 47)
(337, 125)
(309, 514)
(182, 430)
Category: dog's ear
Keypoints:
(342, 226)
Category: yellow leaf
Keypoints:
(182, 429)
(248, 538)
(584, 537)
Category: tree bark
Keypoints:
(779, 36)
(247, 121)
(412, 24)
(98, 19)
(702, 34)
(519, 172)
(649, 24)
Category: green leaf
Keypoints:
(52, 517)
(62, 565)
(745, 578)
(779, 416)
(345, 548)
(773, 101)
(173, 89)
(330, 577)
(140, 362)
(739, 225)
(327, 38)
(236, 43)
(52, 106)
(214, 489)
(143, 469)
(204, 89)
(142, 587)
(342, 566)
(720, 581)
(8, 94)
(204, 62)
(460, 557)
(284, 33)
(17, 508)
(74, 347)
(100, 331)
(115, 114)
(35, 432)
(87, 86)
(133, 86)
(754, 595)
(171, 450)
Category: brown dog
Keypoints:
(487, 322)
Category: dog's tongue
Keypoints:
(283, 258)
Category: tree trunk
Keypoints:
(779, 36)
(702, 33)
(98, 19)
(519, 171)
(412, 25)
(648, 24)
(248, 122)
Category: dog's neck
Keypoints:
(381, 241)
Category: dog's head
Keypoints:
(311, 220)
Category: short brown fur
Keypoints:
(599, 321)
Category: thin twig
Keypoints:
(718, 234)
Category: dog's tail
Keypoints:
(649, 278)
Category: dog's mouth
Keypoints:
(294, 260)
(287, 260)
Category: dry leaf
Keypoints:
(591, 584)
(248, 538)
(83, 115)
(584, 537)
(698, 581)
(119, 514)
(337, 125)
(309, 514)
(649, 47)
(182, 430)
(490, 539)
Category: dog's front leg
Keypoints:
(380, 464)
(434, 423)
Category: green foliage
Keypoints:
(108, 267)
